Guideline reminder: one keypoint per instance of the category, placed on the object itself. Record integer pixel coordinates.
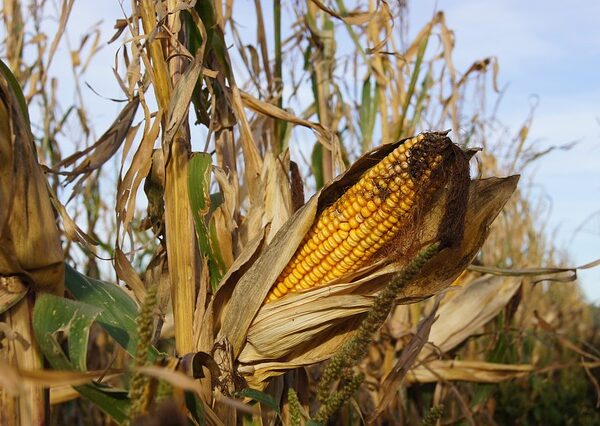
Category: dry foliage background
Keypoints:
(223, 131)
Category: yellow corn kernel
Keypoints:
(366, 217)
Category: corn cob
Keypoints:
(366, 217)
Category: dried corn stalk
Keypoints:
(310, 324)
(31, 256)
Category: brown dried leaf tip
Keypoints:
(368, 216)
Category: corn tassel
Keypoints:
(370, 214)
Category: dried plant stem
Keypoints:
(179, 225)
(278, 80)
(181, 245)
(22, 351)
(13, 18)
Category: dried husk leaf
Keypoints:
(479, 302)
(252, 288)
(274, 203)
(29, 238)
(19, 350)
(305, 328)
(469, 371)
(278, 201)
(211, 319)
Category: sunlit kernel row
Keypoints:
(351, 230)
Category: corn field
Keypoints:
(299, 216)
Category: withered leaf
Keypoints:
(29, 238)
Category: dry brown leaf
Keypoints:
(182, 94)
(423, 34)
(566, 274)
(103, 150)
(127, 273)
(29, 238)
(352, 18)
(71, 230)
(138, 170)
(252, 158)
(477, 303)
(325, 137)
(14, 379)
(469, 371)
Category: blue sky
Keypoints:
(547, 50)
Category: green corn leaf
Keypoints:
(54, 317)
(367, 113)
(258, 396)
(16, 88)
(316, 160)
(200, 200)
(117, 310)
(411, 87)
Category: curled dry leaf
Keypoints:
(468, 371)
(29, 238)
(309, 326)
(478, 302)
(13, 378)
(104, 149)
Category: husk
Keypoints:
(478, 302)
(305, 328)
(251, 288)
(29, 238)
